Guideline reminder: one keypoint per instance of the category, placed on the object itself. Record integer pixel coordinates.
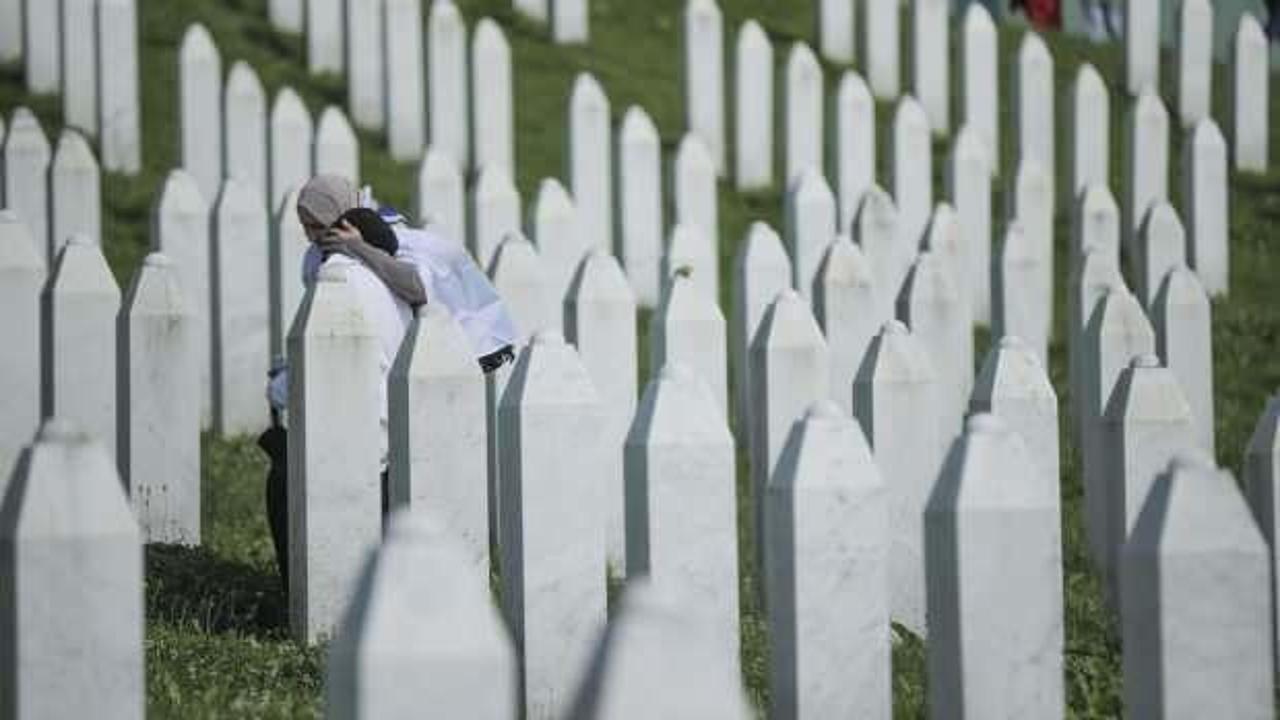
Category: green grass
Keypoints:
(216, 643)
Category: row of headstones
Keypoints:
(1032, 93)
(830, 510)
(556, 402)
(227, 131)
(88, 51)
(56, 192)
(393, 85)
(124, 371)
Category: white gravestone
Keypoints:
(495, 211)
(1090, 132)
(437, 433)
(337, 149)
(703, 78)
(943, 237)
(10, 31)
(790, 370)
(535, 10)
(696, 202)
(844, 302)
(570, 21)
(365, 86)
(22, 276)
(912, 171)
(600, 321)
(159, 417)
(66, 518)
(1017, 307)
(80, 305)
(244, 129)
(761, 270)
(78, 42)
(1183, 320)
(447, 82)
(681, 500)
(804, 114)
(75, 192)
(991, 518)
(591, 160)
(979, 80)
(325, 36)
(389, 634)
(286, 15)
(1031, 206)
(119, 105)
(240, 297)
(826, 576)
(879, 54)
(291, 137)
(1092, 274)
(639, 239)
(288, 247)
(1161, 246)
(493, 102)
(969, 190)
(1205, 201)
(854, 118)
(519, 275)
(1146, 164)
(1095, 221)
(1142, 46)
(180, 229)
(200, 109)
(1250, 103)
(811, 226)
(835, 30)
(753, 104)
(1196, 616)
(1015, 387)
(875, 230)
(1117, 331)
(42, 46)
(931, 307)
(689, 329)
(1195, 61)
(930, 62)
(1261, 473)
(553, 560)
(556, 230)
(335, 499)
(440, 197)
(1033, 106)
(894, 390)
(26, 160)
(404, 69)
(658, 643)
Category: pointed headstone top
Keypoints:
(599, 277)
(25, 133)
(588, 94)
(81, 268)
(763, 247)
(637, 126)
(1012, 370)
(288, 108)
(826, 448)
(910, 116)
(1194, 507)
(678, 409)
(198, 43)
(243, 79)
(1033, 50)
(753, 36)
(789, 323)
(1148, 392)
(549, 373)
(155, 289)
(74, 152)
(180, 194)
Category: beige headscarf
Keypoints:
(326, 197)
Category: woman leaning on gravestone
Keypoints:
(393, 269)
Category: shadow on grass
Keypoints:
(192, 587)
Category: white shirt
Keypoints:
(450, 277)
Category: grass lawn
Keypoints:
(216, 644)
